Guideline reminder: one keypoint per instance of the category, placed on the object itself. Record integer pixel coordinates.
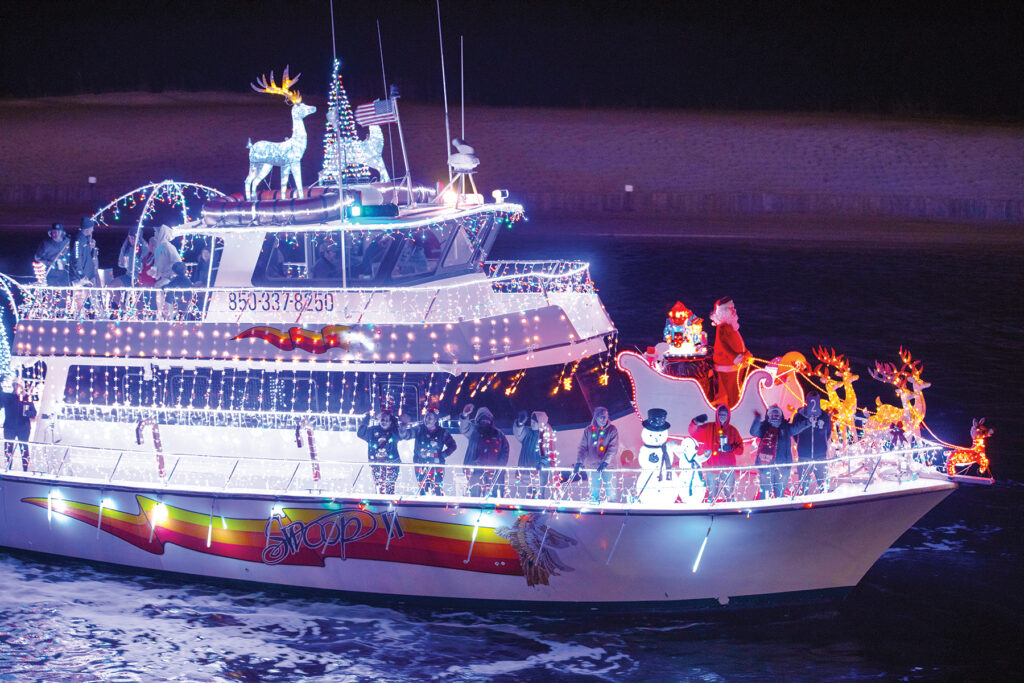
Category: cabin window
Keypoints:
(461, 251)
(567, 403)
(420, 252)
(401, 398)
(201, 262)
(298, 392)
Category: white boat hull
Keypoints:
(443, 551)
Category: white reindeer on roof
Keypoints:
(264, 155)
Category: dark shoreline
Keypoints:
(861, 233)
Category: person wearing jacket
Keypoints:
(812, 428)
(382, 447)
(19, 411)
(599, 449)
(774, 449)
(432, 444)
(165, 255)
(720, 443)
(537, 452)
(487, 448)
(85, 257)
(125, 259)
(730, 353)
(53, 258)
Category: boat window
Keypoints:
(460, 252)
(567, 403)
(298, 392)
(401, 398)
(420, 252)
(315, 258)
(603, 384)
(189, 389)
(286, 257)
(201, 262)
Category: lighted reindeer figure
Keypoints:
(264, 155)
(962, 458)
(911, 414)
(835, 373)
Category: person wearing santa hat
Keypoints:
(730, 353)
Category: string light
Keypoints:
(154, 201)
(353, 171)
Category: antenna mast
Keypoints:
(384, 80)
(462, 77)
(444, 85)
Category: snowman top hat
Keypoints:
(657, 420)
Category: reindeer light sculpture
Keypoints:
(843, 408)
(961, 459)
(911, 414)
(265, 155)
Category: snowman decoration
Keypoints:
(691, 484)
(657, 483)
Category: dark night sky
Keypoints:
(961, 59)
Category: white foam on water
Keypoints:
(558, 653)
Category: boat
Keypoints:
(212, 430)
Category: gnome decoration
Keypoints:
(655, 483)
(684, 333)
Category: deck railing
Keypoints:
(420, 304)
(151, 471)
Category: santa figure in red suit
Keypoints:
(730, 352)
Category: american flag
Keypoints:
(377, 112)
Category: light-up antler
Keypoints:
(887, 372)
(912, 370)
(272, 88)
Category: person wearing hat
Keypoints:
(720, 443)
(774, 451)
(382, 447)
(432, 444)
(730, 353)
(19, 411)
(487, 448)
(85, 256)
(165, 255)
(812, 428)
(52, 260)
(538, 451)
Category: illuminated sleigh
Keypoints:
(684, 397)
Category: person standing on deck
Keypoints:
(537, 452)
(125, 259)
(53, 258)
(85, 258)
(599, 447)
(487, 448)
(382, 449)
(722, 444)
(774, 449)
(204, 262)
(165, 255)
(730, 353)
(432, 444)
(812, 428)
(19, 411)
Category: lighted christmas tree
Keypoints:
(337, 99)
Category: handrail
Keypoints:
(845, 477)
(200, 304)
